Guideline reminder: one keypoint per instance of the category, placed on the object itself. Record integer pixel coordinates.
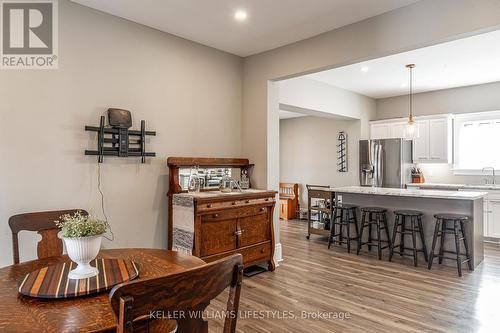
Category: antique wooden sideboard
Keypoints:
(221, 224)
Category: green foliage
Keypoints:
(78, 225)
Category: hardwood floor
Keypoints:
(380, 296)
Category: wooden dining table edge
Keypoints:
(107, 253)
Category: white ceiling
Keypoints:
(270, 23)
(464, 62)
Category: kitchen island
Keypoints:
(429, 202)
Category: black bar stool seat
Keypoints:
(453, 224)
(459, 217)
(373, 209)
(374, 217)
(408, 212)
(344, 215)
(408, 223)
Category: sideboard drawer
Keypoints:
(213, 206)
(253, 211)
(220, 216)
(256, 253)
(251, 254)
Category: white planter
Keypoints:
(82, 250)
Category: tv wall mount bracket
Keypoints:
(117, 139)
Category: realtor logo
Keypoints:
(29, 34)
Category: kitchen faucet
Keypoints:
(493, 170)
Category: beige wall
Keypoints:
(483, 97)
(308, 152)
(190, 94)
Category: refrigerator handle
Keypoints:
(380, 166)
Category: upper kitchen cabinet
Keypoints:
(387, 129)
(380, 131)
(421, 143)
(434, 143)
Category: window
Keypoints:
(477, 141)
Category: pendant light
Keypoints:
(411, 131)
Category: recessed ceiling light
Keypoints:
(240, 15)
(364, 69)
(403, 85)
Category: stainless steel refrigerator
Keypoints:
(385, 162)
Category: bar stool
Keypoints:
(415, 229)
(451, 224)
(376, 217)
(344, 215)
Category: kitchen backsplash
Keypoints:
(443, 173)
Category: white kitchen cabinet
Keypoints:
(387, 130)
(438, 140)
(398, 130)
(380, 131)
(492, 218)
(421, 144)
(434, 143)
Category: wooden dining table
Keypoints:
(91, 313)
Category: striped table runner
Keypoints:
(53, 282)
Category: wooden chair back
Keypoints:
(43, 223)
(289, 191)
(187, 292)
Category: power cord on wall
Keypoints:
(102, 202)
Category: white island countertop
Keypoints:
(401, 192)
(480, 187)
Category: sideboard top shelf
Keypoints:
(208, 162)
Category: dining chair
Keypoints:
(43, 223)
(184, 296)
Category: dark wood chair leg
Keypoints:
(394, 234)
(457, 246)
(308, 218)
(422, 237)
(414, 240)
(355, 221)
(402, 236)
(434, 241)
(370, 219)
(360, 241)
(466, 245)
(332, 227)
(443, 238)
(386, 228)
(379, 243)
(348, 229)
(341, 225)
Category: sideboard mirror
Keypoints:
(211, 177)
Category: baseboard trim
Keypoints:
(278, 257)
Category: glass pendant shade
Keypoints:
(411, 130)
